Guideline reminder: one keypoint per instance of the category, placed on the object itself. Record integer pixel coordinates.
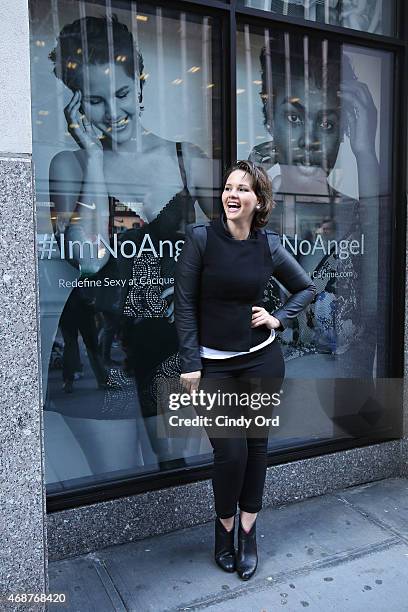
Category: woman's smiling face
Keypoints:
(238, 198)
(111, 101)
(307, 126)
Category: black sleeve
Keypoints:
(293, 277)
(186, 294)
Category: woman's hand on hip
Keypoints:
(260, 316)
(190, 380)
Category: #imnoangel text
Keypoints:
(97, 249)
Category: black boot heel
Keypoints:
(247, 558)
(224, 547)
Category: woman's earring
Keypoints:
(257, 207)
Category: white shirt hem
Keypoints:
(210, 353)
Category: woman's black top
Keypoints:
(216, 289)
(233, 276)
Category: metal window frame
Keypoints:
(230, 16)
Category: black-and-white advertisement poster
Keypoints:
(126, 143)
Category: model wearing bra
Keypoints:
(148, 339)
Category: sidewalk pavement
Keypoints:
(342, 552)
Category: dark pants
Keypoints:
(147, 343)
(78, 316)
(111, 326)
(240, 453)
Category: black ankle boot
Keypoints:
(224, 552)
(247, 558)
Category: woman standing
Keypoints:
(226, 335)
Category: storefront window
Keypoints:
(317, 115)
(126, 147)
(374, 16)
(128, 127)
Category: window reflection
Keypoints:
(374, 16)
(315, 125)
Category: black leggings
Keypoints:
(240, 454)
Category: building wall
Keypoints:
(15, 98)
(72, 532)
(23, 560)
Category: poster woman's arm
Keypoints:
(201, 178)
(361, 119)
(362, 128)
(78, 189)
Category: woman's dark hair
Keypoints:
(262, 187)
(94, 40)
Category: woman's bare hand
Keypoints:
(361, 114)
(80, 128)
(190, 380)
(260, 316)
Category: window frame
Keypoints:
(231, 16)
